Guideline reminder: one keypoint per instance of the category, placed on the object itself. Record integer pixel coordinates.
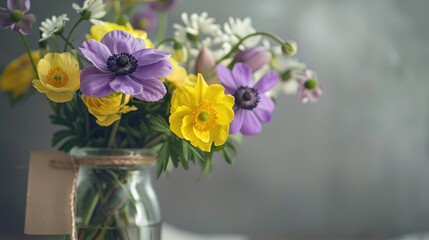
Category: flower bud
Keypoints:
(179, 52)
(16, 16)
(205, 61)
(290, 48)
(255, 57)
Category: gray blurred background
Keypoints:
(355, 164)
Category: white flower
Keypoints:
(91, 10)
(236, 29)
(52, 25)
(201, 31)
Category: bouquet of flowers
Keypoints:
(186, 97)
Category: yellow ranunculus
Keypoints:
(180, 76)
(99, 30)
(59, 76)
(201, 114)
(18, 75)
(107, 110)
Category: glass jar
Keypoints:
(116, 201)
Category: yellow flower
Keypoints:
(201, 114)
(99, 30)
(59, 76)
(108, 109)
(18, 75)
(179, 76)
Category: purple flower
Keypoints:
(123, 64)
(252, 106)
(145, 20)
(309, 90)
(255, 57)
(163, 5)
(16, 16)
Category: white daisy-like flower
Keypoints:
(91, 10)
(236, 29)
(52, 26)
(201, 31)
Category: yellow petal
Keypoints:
(186, 128)
(39, 86)
(184, 96)
(225, 114)
(214, 93)
(59, 97)
(204, 136)
(176, 120)
(108, 120)
(201, 145)
(220, 134)
(201, 86)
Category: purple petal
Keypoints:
(5, 21)
(155, 70)
(226, 78)
(95, 83)
(153, 89)
(97, 53)
(251, 124)
(237, 122)
(267, 82)
(265, 108)
(122, 42)
(242, 74)
(149, 56)
(23, 5)
(127, 85)
(27, 24)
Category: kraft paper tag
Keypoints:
(48, 195)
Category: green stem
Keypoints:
(112, 137)
(165, 41)
(66, 41)
(27, 47)
(70, 33)
(236, 46)
(162, 26)
(153, 140)
(117, 9)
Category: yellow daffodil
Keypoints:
(180, 76)
(99, 30)
(59, 76)
(108, 109)
(201, 114)
(18, 75)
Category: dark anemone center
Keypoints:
(122, 63)
(246, 98)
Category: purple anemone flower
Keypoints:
(16, 16)
(123, 64)
(145, 19)
(251, 106)
(309, 89)
(163, 5)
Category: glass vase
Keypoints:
(116, 201)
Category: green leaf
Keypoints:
(159, 124)
(61, 135)
(229, 158)
(60, 121)
(69, 144)
(207, 168)
(162, 159)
